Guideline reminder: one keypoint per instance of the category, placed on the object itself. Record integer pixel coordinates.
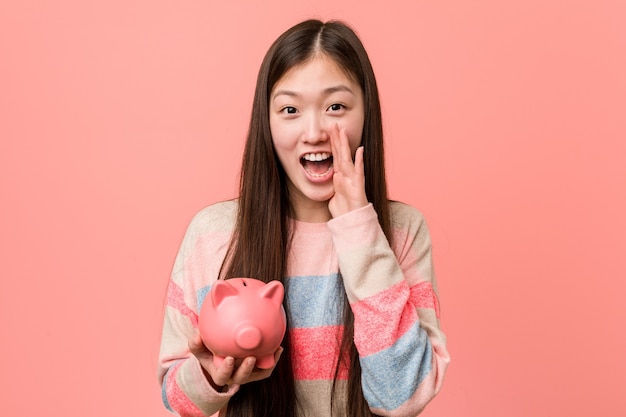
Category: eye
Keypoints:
(336, 107)
(288, 110)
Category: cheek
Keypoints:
(284, 150)
(355, 133)
(282, 137)
(282, 146)
(355, 140)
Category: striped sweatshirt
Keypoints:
(391, 291)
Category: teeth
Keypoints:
(316, 156)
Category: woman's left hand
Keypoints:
(348, 178)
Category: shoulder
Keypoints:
(217, 217)
(404, 215)
(409, 225)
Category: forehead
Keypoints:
(315, 72)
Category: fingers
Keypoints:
(243, 372)
(230, 372)
(349, 175)
(218, 376)
(340, 147)
(358, 161)
(334, 148)
(278, 353)
(249, 373)
(223, 373)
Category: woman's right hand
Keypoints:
(232, 372)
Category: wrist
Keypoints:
(216, 387)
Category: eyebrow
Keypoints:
(327, 91)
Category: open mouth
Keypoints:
(317, 165)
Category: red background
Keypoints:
(505, 124)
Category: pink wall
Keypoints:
(506, 126)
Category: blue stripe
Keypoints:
(201, 295)
(314, 301)
(311, 300)
(164, 387)
(391, 376)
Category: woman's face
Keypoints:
(304, 105)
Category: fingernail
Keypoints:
(229, 361)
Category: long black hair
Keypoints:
(262, 234)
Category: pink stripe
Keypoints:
(177, 399)
(382, 319)
(176, 299)
(315, 352)
(423, 296)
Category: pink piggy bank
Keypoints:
(243, 317)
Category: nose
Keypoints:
(315, 130)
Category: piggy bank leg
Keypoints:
(265, 362)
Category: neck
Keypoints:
(311, 212)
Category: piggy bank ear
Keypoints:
(220, 290)
(273, 290)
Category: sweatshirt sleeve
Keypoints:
(184, 388)
(392, 293)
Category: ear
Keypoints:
(220, 290)
(273, 290)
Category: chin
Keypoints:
(320, 195)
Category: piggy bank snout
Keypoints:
(248, 336)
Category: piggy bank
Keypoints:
(243, 317)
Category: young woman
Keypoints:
(363, 334)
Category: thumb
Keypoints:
(196, 345)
